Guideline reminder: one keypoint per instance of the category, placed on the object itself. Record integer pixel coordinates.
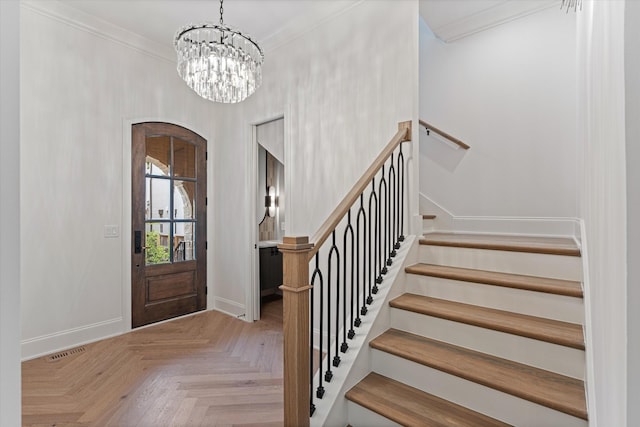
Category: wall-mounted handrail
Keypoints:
(403, 135)
(453, 139)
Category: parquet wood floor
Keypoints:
(208, 369)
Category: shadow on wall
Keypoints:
(440, 150)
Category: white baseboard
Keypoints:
(232, 308)
(58, 341)
(516, 225)
(534, 226)
(52, 343)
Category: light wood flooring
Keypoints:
(207, 369)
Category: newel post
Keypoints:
(295, 291)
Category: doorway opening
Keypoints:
(270, 212)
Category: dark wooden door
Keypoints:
(168, 217)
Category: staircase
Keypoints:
(487, 333)
(428, 222)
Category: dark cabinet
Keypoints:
(270, 268)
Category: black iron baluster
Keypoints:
(362, 284)
(373, 197)
(401, 174)
(357, 322)
(393, 190)
(328, 375)
(336, 359)
(383, 239)
(317, 273)
(379, 259)
(312, 407)
(389, 219)
(352, 333)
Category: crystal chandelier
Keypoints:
(219, 63)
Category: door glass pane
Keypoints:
(158, 157)
(184, 237)
(184, 159)
(157, 243)
(184, 199)
(157, 198)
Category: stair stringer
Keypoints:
(331, 410)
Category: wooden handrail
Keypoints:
(325, 230)
(455, 140)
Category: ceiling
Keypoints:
(268, 22)
(451, 20)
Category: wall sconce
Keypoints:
(271, 201)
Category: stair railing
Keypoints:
(365, 230)
(429, 128)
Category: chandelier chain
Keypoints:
(221, 11)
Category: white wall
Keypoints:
(602, 134)
(510, 93)
(342, 88)
(81, 89)
(10, 394)
(271, 136)
(632, 96)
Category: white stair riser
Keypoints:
(540, 304)
(542, 265)
(551, 357)
(359, 416)
(479, 398)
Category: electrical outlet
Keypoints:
(282, 226)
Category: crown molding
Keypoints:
(484, 19)
(57, 10)
(322, 13)
(77, 19)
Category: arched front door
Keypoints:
(168, 254)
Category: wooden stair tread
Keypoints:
(546, 388)
(542, 245)
(531, 283)
(552, 331)
(428, 216)
(412, 407)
